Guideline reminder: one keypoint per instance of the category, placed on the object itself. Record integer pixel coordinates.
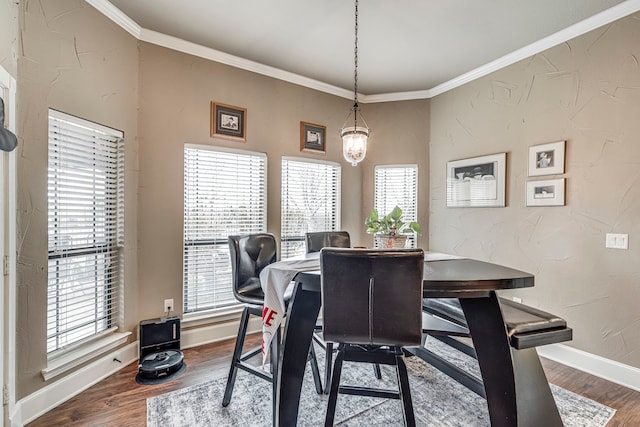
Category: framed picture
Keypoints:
(477, 182)
(312, 137)
(546, 159)
(549, 192)
(228, 122)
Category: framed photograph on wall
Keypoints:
(312, 137)
(477, 182)
(228, 122)
(546, 159)
(549, 192)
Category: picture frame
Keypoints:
(546, 159)
(313, 137)
(228, 122)
(477, 181)
(548, 192)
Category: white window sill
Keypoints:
(59, 364)
(211, 316)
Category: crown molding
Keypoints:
(603, 18)
(184, 46)
(117, 16)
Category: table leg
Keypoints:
(300, 323)
(516, 388)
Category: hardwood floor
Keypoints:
(120, 401)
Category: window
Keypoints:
(85, 192)
(224, 194)
(398, 185)
(310, 201)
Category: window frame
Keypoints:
(75, 182)
(408, 214)
(218, 243)
(287, 239)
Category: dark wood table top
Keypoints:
(454, 278)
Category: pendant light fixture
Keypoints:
(355, 132)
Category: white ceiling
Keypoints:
(407, 48)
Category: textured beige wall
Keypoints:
(9, 36)
(587, 92)
(75, 60)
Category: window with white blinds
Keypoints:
(397, 185)
(85, 191)
(224, 194)
(310, 201)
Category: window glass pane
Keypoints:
(398, 186)
(85, 228)
(310, 202)
(224, 194)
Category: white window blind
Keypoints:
(224, 194)
(310, 202)
(85, 229)
(398, 186)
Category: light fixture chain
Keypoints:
(355, 71)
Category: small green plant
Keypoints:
(391, 224)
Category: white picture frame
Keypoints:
(546, 159)
(477, 182)
(548, 192)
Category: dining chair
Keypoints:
(371, 306)
(249, 255)
(327, 239)
(315, 241)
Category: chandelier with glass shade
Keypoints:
(355, 132)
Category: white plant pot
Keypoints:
(385, 241)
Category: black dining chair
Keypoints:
(371, 304)
(249, 255)
(327, 239)
(315, 241)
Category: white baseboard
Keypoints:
(52, 395)
(610, 370)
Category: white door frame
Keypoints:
(8, 300)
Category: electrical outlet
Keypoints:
(168, 305)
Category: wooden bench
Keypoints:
(526, 327)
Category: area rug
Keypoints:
(438, 400)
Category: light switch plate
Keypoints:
(617, 241)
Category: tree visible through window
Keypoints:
(85, 229)
(310, 201)
(224, 194)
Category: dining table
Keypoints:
(475, 283)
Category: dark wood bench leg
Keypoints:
(511, 399)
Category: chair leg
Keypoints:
(273, 360)
(335, 385)
(237, 354)
(377, 371)
(314, 369)
(327, 367)
(405, 392)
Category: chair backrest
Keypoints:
(249, 254)
(327, 239)
(372, 296)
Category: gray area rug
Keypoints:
(437, 400)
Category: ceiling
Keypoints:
(406, 48)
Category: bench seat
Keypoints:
(526, 326)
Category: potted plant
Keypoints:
(390, 230)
